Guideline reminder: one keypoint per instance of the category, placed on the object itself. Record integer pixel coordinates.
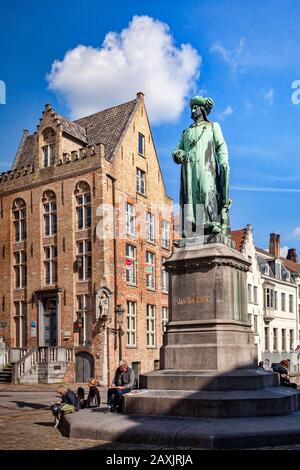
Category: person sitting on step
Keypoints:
(122, 383)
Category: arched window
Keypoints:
(19, 214)
(48, 147)
(83, 205)
(50, 213)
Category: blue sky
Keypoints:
(249, 60)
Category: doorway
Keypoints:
(84, 366)
(50, 322)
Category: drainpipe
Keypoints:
(113, 180)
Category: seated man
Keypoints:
(93, 399)
(123, 383)
(282, 370)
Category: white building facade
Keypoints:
(273, 299)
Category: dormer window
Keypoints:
(49, 155)
(48, 147)
(265, 269)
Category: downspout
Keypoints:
(113, 180)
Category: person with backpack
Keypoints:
(69, 404)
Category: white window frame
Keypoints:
(131, 331)
(130, 219)
(164, 277)
(150, 227)
(165, 234)
(142, 153)
(164, 317)
(151, 330)
(141, 181)
(150, 270)
(131, 277)
(48, 155)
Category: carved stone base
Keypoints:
(208, 327)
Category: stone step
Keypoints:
(269, 401)
(239, 379)
(200, 433)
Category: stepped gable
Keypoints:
(105, 127)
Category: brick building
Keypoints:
(85, 227)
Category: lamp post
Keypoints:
(119, 320)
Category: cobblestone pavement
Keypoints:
(26, 423)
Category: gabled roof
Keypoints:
(291, 265)
(238, 236)
(26, 151)
(105, 127)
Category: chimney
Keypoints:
(292, 255)
(274, 246)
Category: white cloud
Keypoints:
(268, 190)
(284, 251)
(234, 58)
(268, 96)
(223, 114)
(142, 57)
(296, 231)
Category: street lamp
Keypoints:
(119, 320)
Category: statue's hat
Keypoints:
(206, 103)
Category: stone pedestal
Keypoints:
(208, 359)
(208, 326)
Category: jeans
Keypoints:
(114, 396)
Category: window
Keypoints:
(150, 270)
(20, 269)
(250, 319)
(49, 155)
(276, 300)
(131, 324)
(141, 144)
(255, 298)
(164, 277)
(269, 297)
(150, 326)
(50, 264)
(267, 344)
(84, 320)
(50, 213)
(291, 340)
(283, 340)
(84, 260)
(130, 219)
(275, 340)
(140, 181)
(265, 269)
(150, 227)
(283, 302)
(20, 324)
(249, 293)
(19, 214)
(165, 318)
(165, 233)
(255, 325)
(130, 264)
(291, 301)
(83, 205)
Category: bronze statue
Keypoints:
(204, 190)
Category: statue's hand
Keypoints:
(179, 156)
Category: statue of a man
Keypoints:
(204, 189)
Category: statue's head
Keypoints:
(200, 107)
